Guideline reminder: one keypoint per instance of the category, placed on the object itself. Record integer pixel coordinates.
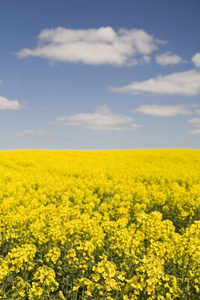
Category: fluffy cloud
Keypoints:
(163, 110)
(197, 111)
(6, 104)
(197, 131)
(184, 83)
(168, 58)
(94, 46)
(102, 119)
(195, 122)
(34, 132)
(145, 59)
(196, 60)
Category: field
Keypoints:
(122, 225)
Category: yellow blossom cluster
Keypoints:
(102, 225)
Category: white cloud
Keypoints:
(168, 58)
(195, 122)
(163, 110)
(1, 82)
(197, 111)
(196, 60)
(145, 59)
(102, 119)
(6, 104)
(94, 46)
(34, 132)
(184, 83)
(194, 132)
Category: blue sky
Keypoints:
(110, 74)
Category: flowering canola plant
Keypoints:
(81, 225)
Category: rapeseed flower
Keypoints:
(121, 225)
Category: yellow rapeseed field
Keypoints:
(81, 225)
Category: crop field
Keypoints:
(81, 225)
